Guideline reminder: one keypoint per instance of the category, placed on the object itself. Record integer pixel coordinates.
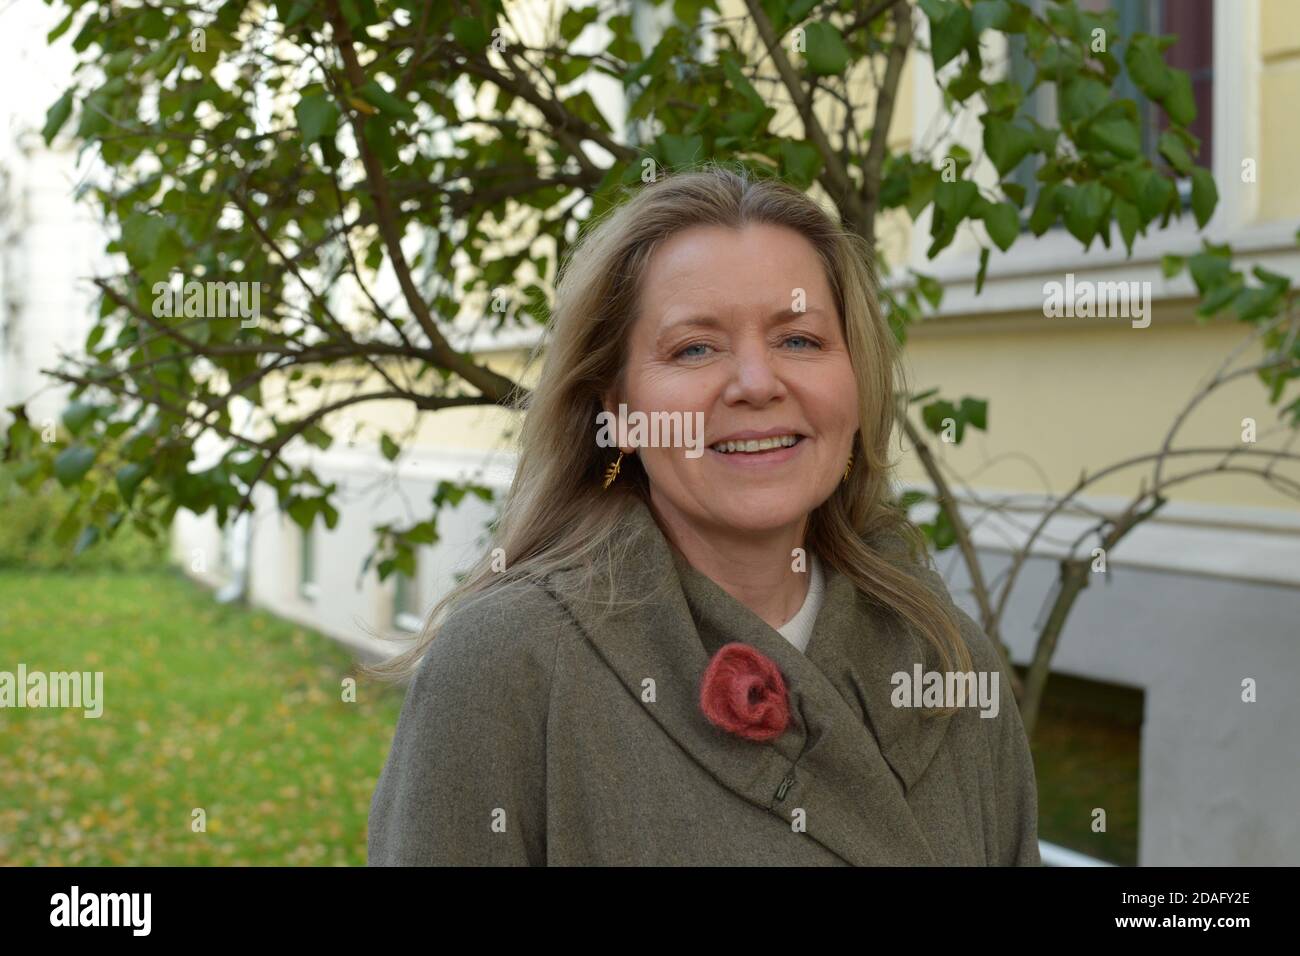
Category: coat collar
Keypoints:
(848, 758)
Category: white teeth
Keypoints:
(755, 444)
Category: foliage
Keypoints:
(386, 169)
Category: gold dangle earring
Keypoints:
(611, 473)
(847, 469)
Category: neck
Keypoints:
(753, 567)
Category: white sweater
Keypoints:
(799, 628)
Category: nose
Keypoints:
(754, 377)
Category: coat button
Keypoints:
(786, 784)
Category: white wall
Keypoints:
(50, 245)
(350, 605)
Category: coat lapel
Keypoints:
(848, 756)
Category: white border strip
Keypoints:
(1258, 545)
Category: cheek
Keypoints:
(671, 389)
(831, 400)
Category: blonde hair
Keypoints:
(557, 516)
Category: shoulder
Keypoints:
(907, 552)
(505, 637)
(470, 748)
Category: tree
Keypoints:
(427, 159)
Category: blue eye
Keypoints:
(698, 345)
(801, 338)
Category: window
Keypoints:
(408, 606)
(307, 586)
(1191, 21)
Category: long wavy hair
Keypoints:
(556, 516)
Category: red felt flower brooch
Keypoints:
(744, 694)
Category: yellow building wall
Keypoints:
(1279, 79)
(1067, 396)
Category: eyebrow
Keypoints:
(780, 317)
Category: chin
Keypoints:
(761, 512)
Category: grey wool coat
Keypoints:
(545, 730)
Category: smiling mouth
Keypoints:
(750, 446)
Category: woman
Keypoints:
(692, 655)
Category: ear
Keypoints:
(610, 399)
(610, 402)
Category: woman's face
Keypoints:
(741, 325)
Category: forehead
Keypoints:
(758, 265)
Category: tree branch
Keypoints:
(492, 385)
(838, 183)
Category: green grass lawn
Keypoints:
(241, 714)
(205, 706)
(1087, 755)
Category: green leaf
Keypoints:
(1085, 210)
(950, 29)
(1147, 67)
(930, 289)
(740, 82)
(1081, 98)
(800, 162)
(1005, 96)
(76, 415)
(1205, 195)
(72, 464)
(315, 435)
(1126, 215)
(1014, 191)
(1180, 104)
(1006, 143)
(1044, 214)
(423, 533)
(142, 236)
(976, 412)
(303, 511)
(681, 151)
(967, 82)
(1171, 148)
(471, 34)
(934, 414)
(1208, 270)
(1154, 195)
(317, 117)
(62, 27)
(1002, 220)
(826, 53)
(1251, 304)
(573, 22)
(380, 139)
(1117, 134)
(389, 447)
(953, 201)
(298, 12)
(989, 15)
(128, 480)
(1271, 278)
(1218, 298)
(945, 536)
(1171, 265)
(57, 115)
(798, 9)
(983, 271)
(385, 102)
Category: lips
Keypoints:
(753, 442)
(752, 445)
